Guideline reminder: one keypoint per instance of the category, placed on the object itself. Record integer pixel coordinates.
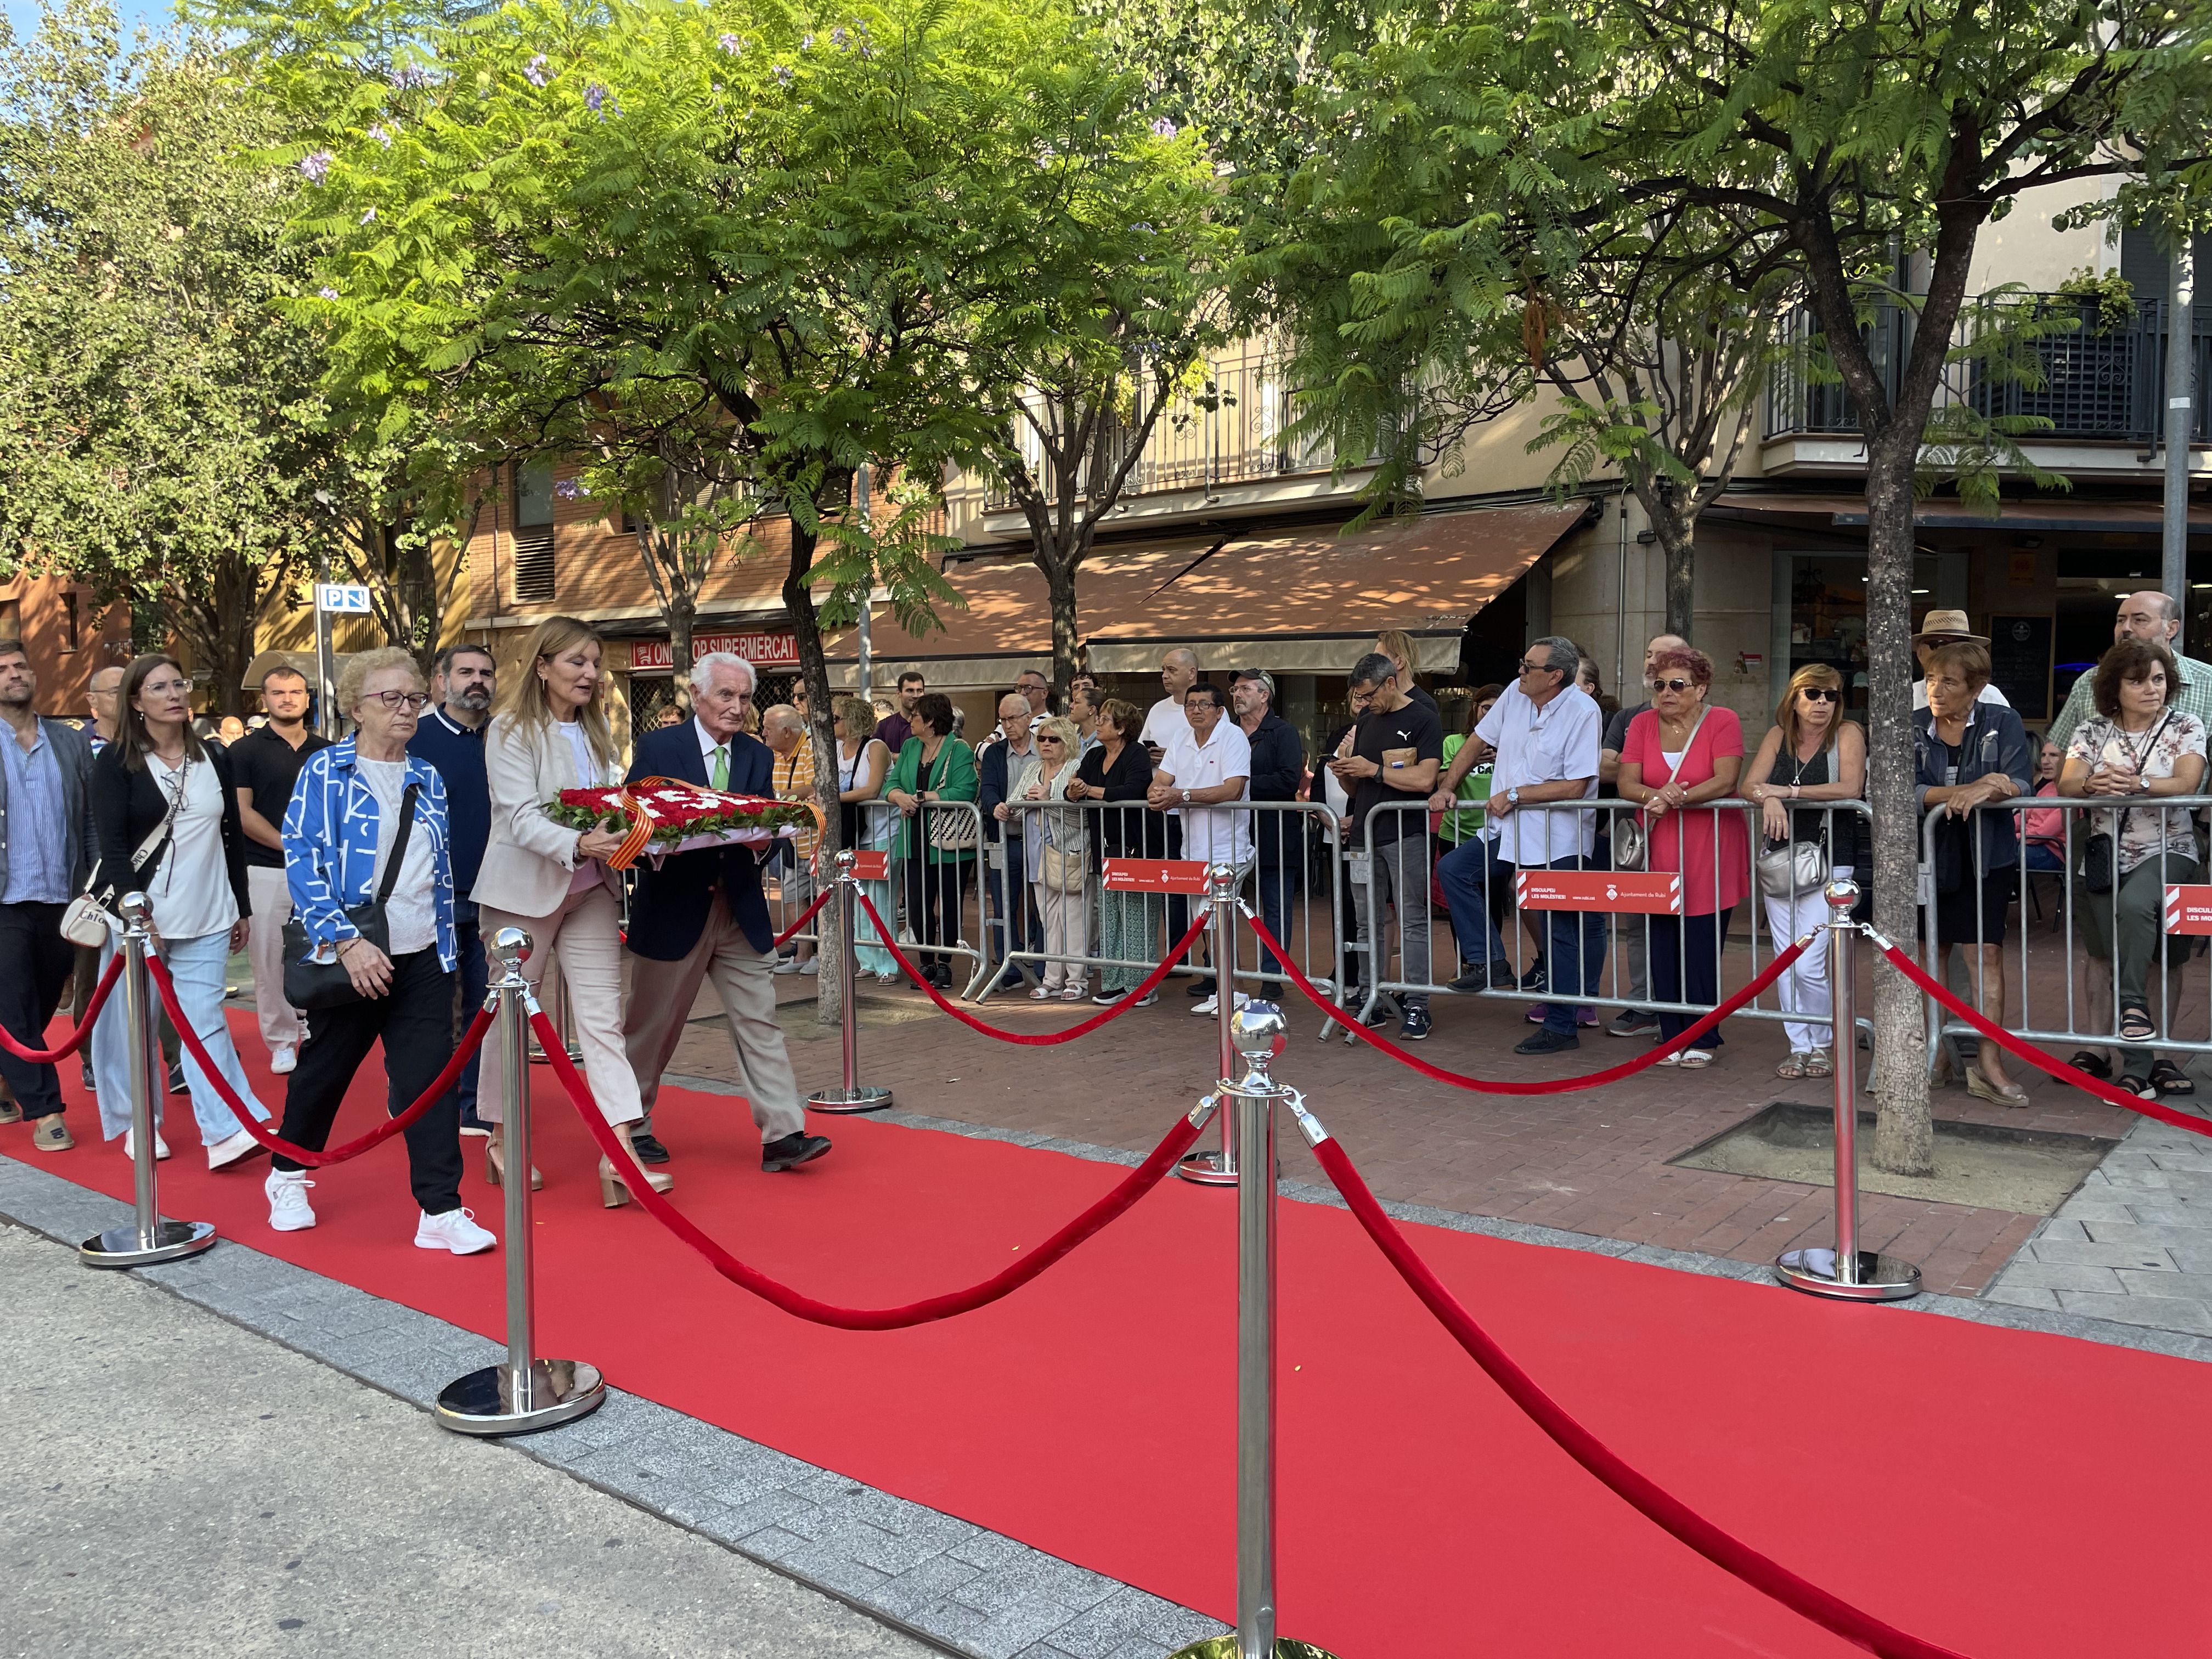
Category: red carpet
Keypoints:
(2016, 1495)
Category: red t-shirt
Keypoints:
(1710, 884)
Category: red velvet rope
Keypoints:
(1762, 1572)
(1652, 1056)
(76, 1038)
(1031, 1039)
(1109, 1208)
(784, 938)
(471, 1041)
(2039, 1057)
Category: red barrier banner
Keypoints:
(1156, 876)
(1627, 891)
(872, 866)
(2188, 908)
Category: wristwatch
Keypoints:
(1186, 798)
(1513, 795)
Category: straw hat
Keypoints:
(1949, 624)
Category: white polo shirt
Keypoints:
(1558, 741)
(1213, 834)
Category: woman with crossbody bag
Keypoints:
(157, 773)
(1058, 853)
(934, 847)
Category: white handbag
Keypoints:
(87, 920)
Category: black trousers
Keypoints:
(415, 1019)
(36, 963)
(934, 895)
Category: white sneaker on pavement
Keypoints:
(789, 965)
(283, 1057)
(160, 1146)
(289, 1210)
(232, 1150)
(455, 1231)
(811, 965)
(1212, 1005)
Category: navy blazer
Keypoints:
(668, 907)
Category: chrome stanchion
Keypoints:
(557, 1010)
(1258, 1032)
(524, 1392)
(1847, 1270)
(148, 1238)
(855, 1095)
(1218, 1168)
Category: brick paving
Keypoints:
(1594, 1162)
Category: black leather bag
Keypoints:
(2097, 864)
(311, 985)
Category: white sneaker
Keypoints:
(283, 1057)
(160, 1146)
(811, 965)
(289, 1211)
(455, 1231)
(226, 1152)
(1212, 1005)
(789, 965)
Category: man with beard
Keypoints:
(450, 738)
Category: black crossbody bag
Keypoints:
(2101, 858)
(309, 984)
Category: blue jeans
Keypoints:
(2044, 857)
(1577, 945)
(1020, 928)
(1277, 884)
(475, 975)
(196, 966)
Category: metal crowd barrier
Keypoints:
(1612, 956)
(1304, 909)
(2082, 1007)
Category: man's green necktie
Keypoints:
(720, 778)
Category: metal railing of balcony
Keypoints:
(1194, 446)
(2099, 382)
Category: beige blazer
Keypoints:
(529, 860)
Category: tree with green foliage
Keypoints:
(1869, 146)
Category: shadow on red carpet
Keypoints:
(2014, 1495)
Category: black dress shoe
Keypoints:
(789, 1151)
(648, 1147)
(1547, 1042)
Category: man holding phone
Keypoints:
(1394, 751)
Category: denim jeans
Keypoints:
(1278, 886)
(1024, 929)
(196, 966)
(1576, 944)
(1470, 873)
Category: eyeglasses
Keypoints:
(1672, 685)
(416, 701)
(1528, 667)
(1820, 693)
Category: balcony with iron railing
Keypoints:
(2098, 381)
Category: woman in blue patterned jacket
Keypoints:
(359, 805)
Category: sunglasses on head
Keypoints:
(1820, 694)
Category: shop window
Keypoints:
(533, 535)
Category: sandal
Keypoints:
(2139, 1087)
(2169, 1078)
(1816, 1064)
(2135, 1025)
(2095, 1065)
(1696, 1060)
(1981, 1088)
(1041, 995)
(1072, 993)
(1796, 1066)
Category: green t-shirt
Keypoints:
(1462, 821)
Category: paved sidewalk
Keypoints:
(2134, 1244)
(174, 1484)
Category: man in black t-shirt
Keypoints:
(265, 764)
(1397, 748)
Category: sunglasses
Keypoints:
(1672, 685)
(1820, 694)
(1537, 668)
(1053, 741)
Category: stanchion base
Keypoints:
(1207, 1170)
(125, 1247)
(1880, 1277)
(864, 1097)
(484, 1402)
(1225, 1647)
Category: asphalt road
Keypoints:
(171, 1485)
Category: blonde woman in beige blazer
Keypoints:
(549, 733)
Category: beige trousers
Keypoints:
(661, 996)
(587, 932)
(264, 947)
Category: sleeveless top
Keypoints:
(1805, 823)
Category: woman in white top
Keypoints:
(549, 733)
(351, 815)
(1045, 775)
(155, 773)
(863, 759)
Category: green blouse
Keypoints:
(952, 776)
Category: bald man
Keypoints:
(2153, 616)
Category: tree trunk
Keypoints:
(1678, 536)
(830, 989)
(1904, 1139)
(1060, 589)
(680, 612)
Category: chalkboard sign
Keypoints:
(2020, 664)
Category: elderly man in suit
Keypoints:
(701, 915)
(45, 772)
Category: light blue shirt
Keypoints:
(38, 853)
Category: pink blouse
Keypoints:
(1708, 887)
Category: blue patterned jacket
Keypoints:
(330, 844)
